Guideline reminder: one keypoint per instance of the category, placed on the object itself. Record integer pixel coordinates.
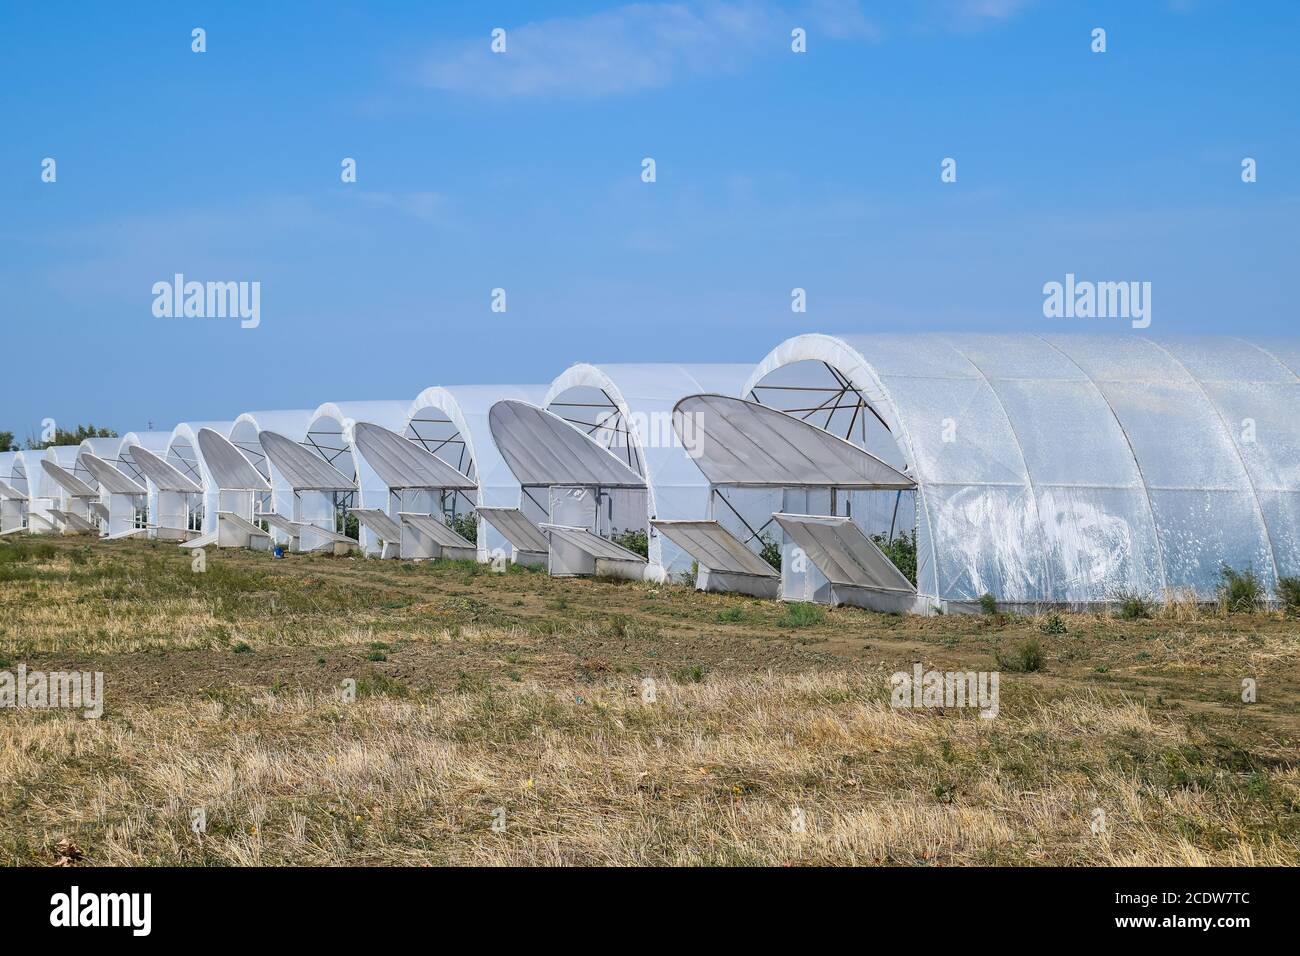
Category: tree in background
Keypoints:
(7, 442)
(64, 437)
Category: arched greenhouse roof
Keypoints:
(1069, 468)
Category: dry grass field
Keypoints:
(505, 719)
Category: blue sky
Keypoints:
(522, 171)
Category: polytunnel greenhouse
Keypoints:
(1067, 468)
(917, 472)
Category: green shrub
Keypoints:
(770, 551)
(901, 551)
(1239, 590)
(464, 524)
(1288, 592)
(242, 647)
(634, 539)
(801, 614)
(1027, 657)
(731, 615)
(988, 604)
(690, 577)
(1053, 625)
(1130, 605)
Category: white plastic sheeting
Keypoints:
(172, 494)
(154, 441)
(165, 476)
(292, 423)
(512, 525)
(715, 548)
(304, 536)
(72, 485)
(72, 520)
(6, 489)
(1066, 468)
(736, 442)
(725, 564)
(238, 487)
(235, 530)
(542, 449)
(427, 536)
(437, 530)
(11, 472)
(576, 551)
(27, 476)
(103, 448)
(400, 463)
(44, 484)
(843, 554)
(109, 479)
(380, 523)
(303, 470)
(230, 470)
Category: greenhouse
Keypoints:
(1066, 469)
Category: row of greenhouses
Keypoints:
(914, 473)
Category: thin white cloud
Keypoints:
(637, 47)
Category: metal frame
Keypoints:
(434, 446)
(608, 423)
